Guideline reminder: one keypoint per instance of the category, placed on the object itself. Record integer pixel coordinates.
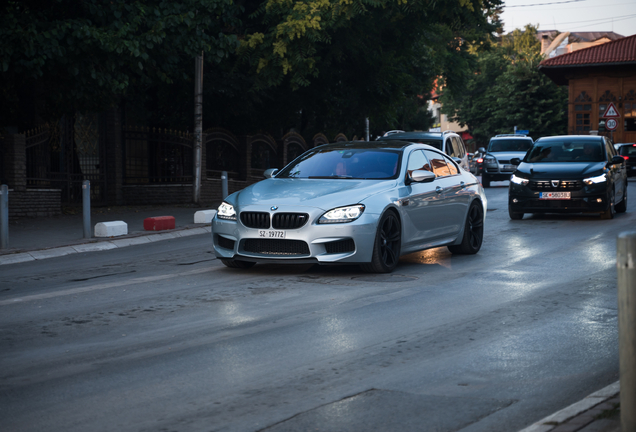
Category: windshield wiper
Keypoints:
(331, 177)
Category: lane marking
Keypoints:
(97, 287)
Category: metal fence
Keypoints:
(154, 155)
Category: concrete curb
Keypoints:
(552, 421)
(99, 246)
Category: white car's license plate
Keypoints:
(555, 195)
(271, 234)
(509, 167)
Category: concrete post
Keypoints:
(4, 217)
(86, 204)
(626, 266)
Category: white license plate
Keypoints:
(509, 167)
(554, 195)
(271, 234)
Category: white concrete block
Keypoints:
(204, 216)
(111, 229)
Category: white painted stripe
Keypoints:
(97, 287)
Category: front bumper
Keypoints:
(587, 199)
(320, 243)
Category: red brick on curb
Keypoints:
(159, 223)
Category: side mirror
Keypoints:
(515, 161)
(617, 160)
(421, 176)
(482, 150)
(269, 173)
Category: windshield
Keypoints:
(506, 145)
(344, 164)
(565, 151)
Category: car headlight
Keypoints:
(598, 179)
(519, 180)
(490, 160)
(226, 211)
(342, 214)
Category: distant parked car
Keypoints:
(569, 174)
(448, 141)
(628, 151)
(356, 202)
(501, 149)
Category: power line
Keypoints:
(545, 4)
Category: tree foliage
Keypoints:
(270, 65)
(506, 90)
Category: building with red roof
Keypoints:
(597, 77)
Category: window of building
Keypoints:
(583, 112)
(629, 111)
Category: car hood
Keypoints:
(561, 170)
(507, 155)
(320, 193)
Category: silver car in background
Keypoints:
(501, 150)
(358, 202)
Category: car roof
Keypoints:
(415, 135)
(380, 144)
(572, 137)
(513, 136)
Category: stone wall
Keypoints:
(157, 194)
(34, 202)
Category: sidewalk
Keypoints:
(48, 237)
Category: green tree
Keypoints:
(506, 90)
(83, 56)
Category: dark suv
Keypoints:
(501, 149)
(628, 151)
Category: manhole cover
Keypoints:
(385, 278)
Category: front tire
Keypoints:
(473, 232)
(387, 245)
(485, 180)
(514, 215)
(238, 264)
(621, 207)
(611, 210)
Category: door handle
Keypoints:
(439, 190)
(462, 185)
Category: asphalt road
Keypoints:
(163, 337)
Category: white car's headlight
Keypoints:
(342, 214)
(598, 179)
(226, 211)
(519, 180)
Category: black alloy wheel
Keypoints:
(514, 215)
(473, 232)
(388, 243)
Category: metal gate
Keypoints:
(63, 154)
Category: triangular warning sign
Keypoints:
(611, 111)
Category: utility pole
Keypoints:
(198, 126)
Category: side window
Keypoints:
(609, 148)
(418, 161)
(438, 163)
(452, 168)
(461, 149)
(451, 147)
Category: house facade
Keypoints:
(597, 77)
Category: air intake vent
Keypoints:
(276, 247)
(289, 220)
(340, 246)
(255, 219)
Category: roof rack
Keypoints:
(510, 135)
